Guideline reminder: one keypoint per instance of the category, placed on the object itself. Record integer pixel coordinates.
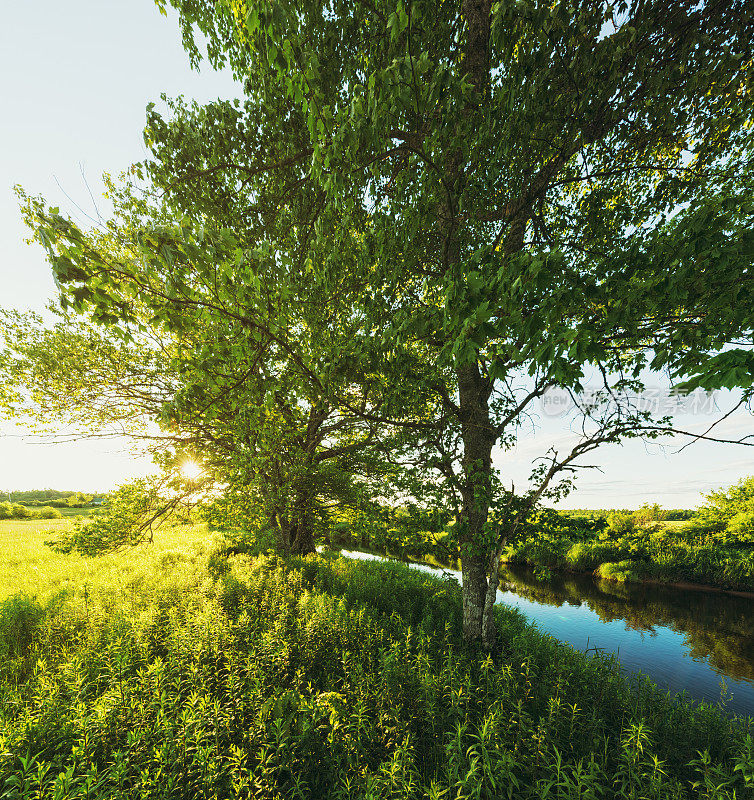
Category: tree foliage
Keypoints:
(728, 509)
(546, 186)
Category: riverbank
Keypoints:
(681, 585)
(324, 677)
(630, 577)
(673, 556)
(631, 572)
(695, 641)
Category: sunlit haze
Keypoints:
(190, 470)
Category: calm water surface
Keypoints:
(685, 640)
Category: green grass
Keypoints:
(673, 524)
(78, 512)
(182, 674)
(28, 566)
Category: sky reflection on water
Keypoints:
(686, 640)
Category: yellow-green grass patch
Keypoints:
(28, 566)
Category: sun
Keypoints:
(190, 470)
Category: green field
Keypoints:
(28, 566)
(673, 524)
(77, 512)
(175, 671)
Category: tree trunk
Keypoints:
(478, 438)
(473, 593)
(488, 618)
(474, 389)
(283, 528)
(302, 535)
(303, 539)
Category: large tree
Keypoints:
(546, 185)
(516, 193)
(173, 350)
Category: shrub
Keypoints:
(620, 571)
(6, 510)
(543, 551)
(22, 512)
(648, 514)
(48, 512)
(722, 505)
(20, 621)
(589, 555)
(621, 523)
(742, 523)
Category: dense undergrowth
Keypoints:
(321, 677)
(673, 555)
(713, 546)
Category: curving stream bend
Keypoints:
(686, 640)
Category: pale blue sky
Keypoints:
(76, 78)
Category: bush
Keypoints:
(742, 523)
(620, 523)
(620, 572)
(540, 550)
(48, 512)
(22, 512)
(723, 505)
(6, 510)
(20, 621)
(589, 555)
(648, 514)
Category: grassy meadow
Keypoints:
(179, 671)
(28, 566)
(75, 512)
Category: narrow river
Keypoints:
(686, 640)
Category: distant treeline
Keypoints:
(37, 498)
(40, 494)
(668, 514)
